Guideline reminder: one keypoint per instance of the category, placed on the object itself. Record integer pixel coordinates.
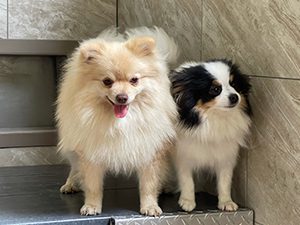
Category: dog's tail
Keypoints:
(111, 34)
(166, 45)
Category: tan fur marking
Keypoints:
(204, 107)
(216, 83)
(243, 103)
(231, 77)
(177, 89)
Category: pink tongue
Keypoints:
(120, 110)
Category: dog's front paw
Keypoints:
(151, 210)
(187, 204)
(68, 189)
(228, 206)
(90, 210)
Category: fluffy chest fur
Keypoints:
(215, 140)
(122, 145)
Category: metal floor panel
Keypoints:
(30, 195)
(241, 217)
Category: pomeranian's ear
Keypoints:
(141, 46)
(90, 52)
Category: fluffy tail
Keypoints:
(111, 34)
(166, 45)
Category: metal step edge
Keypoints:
(210, 217)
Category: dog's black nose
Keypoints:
(122, 98)
(233, 98)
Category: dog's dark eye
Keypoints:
(108, 82)
(134, 80)
(215, 90)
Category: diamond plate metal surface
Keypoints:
(241, 217)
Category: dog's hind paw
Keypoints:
(90, 210)
(228, 206)
(68, 189)
(186, 204)
(152, 210)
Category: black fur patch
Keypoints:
(188, 86)
(241, 83)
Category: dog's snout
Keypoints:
(122, 98)
(233, 98)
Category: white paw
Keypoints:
(68, 189)
(90, 210)
(187, 204)
(151, 210)
(228, 206)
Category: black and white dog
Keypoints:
(212, 100)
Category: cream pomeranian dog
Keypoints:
(115, 114)
(214, 110)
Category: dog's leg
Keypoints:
(92, 184)
(71, 185)
(72, 182)
(151, 178)
(224, 178)
(186, 185)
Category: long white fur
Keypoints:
(214, 144)
(91, 134)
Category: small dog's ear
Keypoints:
(141, 46)
(90, 52)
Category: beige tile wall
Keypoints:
(274, 159)
(263, 37)
(180, 19)
(3, 19)
(66, 19)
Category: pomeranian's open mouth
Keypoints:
(120, 110)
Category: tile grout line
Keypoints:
(202, 10)
(7, 19)
(247, 176)
(272, 77)
(117, 14)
